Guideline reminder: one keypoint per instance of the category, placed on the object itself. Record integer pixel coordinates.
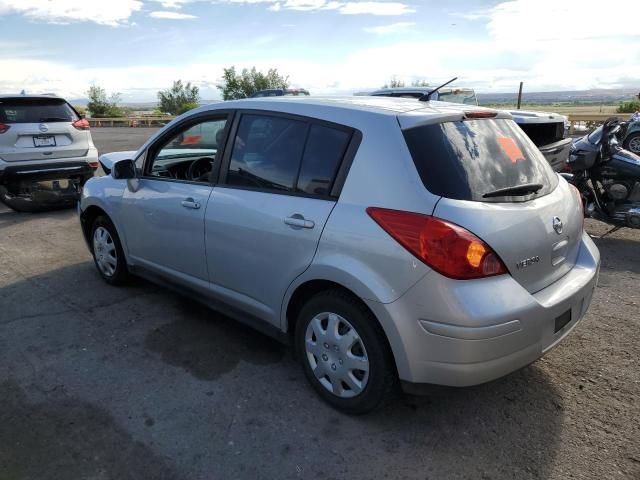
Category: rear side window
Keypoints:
(36, 110)
(471, 159)
(267, 152)
(322, 156)
(288, 155)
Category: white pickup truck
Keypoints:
(546, 130)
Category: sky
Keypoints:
(137, 47)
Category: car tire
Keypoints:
(632, 143)
(335, 336)
(107, 252)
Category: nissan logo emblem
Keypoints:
(557, 225)
(43, 127)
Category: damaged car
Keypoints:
(46, 152)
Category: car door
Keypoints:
(164, 221)
(265, 217)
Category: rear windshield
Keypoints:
(35, 110)
(459, 95)
(473, 159)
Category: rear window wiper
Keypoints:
(518, 190)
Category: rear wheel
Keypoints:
(107, 252)
(344, 353)
(632, 143)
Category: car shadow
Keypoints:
(63, 437)
(208, 344)
(11, 217)
(619, 254)
(70, 320)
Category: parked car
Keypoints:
(546, 130)
(281, 92)
(390, 241)
(466, 96)
(46, 152)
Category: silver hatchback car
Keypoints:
(394, 243)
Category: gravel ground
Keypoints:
(98, 382)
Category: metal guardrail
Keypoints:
(137, 121)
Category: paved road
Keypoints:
(98, 382)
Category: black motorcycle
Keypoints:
(607, 176)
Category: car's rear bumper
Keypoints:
(557, 153)
(30, 186)
(463, 333)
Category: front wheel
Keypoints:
(344, 353)
(632, 143)
(107, 252)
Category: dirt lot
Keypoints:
(98, 382)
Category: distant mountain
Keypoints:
(597, 96)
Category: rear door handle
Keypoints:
(297, 220)
(190, 203)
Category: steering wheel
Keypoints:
(200, 169)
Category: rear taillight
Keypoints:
(447, 248)
(82, 124)
(94, 164)
(4, 127)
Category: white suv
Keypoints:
(46, 152)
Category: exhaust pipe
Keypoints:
(632, 218)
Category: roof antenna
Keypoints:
(427, 96)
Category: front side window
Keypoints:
(191, 154)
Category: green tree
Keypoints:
(629, 107)
(395, 82)
(242, 85)
(102, 106)
(179, 98)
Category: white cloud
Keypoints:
(566, 20)
(349, 7)
(391, 28)
(117, 12)
(177, 4)
(168, 15)
(375, 8)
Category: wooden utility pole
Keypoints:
(520, 96)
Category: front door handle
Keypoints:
(297, 220)
(190, 203)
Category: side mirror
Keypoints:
(124, 170)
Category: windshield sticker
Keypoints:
(510, 147)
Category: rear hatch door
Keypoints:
(495, 183)
(40, 129)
